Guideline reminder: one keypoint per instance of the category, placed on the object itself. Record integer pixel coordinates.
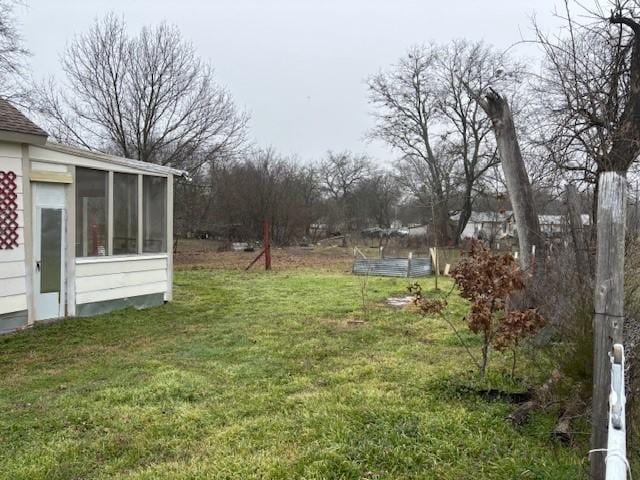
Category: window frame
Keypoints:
(77, 214)
(166, 211)
(132, 181)
(163, 236)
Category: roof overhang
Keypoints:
(122, 161)
(16, 137)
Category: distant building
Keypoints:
(416, 231)
(492, 226)
(485, 225)
(553, 225)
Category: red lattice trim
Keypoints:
(8, 210)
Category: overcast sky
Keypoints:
(297, 66)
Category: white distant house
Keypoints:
(417, 230)
(485, 225)
(550, 225)
(496, 225)
(81, 233)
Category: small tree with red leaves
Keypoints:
(487, 281)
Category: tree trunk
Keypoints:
(609, 305)
(465, 215)
(442, 216)
(578, 237)
(515, 172)
(440, 221)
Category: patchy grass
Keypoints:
(262, 376)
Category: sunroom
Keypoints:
(81, 233)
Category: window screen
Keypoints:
(91, 212)
(155, 214)
(125, 213)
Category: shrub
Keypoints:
(488, 281)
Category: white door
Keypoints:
(49, 250)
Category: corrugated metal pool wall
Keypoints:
(392, 267)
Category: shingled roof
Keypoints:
(12, 120)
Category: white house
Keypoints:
(81, 233)
(498, 225)
(550, 225)
(488, 225)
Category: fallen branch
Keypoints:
(562, 431)
(520, 415)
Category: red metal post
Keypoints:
(267, 246)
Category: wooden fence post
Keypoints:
(267, 246)
(434, 264)
(609, 305)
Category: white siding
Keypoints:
(13, 303)
(12, 270)
(13, 296)
(110, 278)
(470, 229)
(49, 167)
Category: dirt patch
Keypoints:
(202, 254)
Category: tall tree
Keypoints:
(593, 77)
(340, 175)
(468, 129)
(406, 99)
(13, 55)
(147, 97)
(582, 90)
(265, 185)
(378, 194)
(425, 112)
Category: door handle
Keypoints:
(37, 265)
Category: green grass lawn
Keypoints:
(261, 376)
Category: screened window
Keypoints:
(91, 212)
(155, 215)
(125, 213)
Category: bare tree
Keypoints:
(406, 98)
(378, 194)
(147, 97)
(13, 55)
(469, 136)
(425, 112)
(265, 186)
(578, 237)
(594, 76)
(340, 175)
(196, 198)
(341, 172)
(584, 85)
(310, 190)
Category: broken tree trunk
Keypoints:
(609, 305)
(515, 172)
